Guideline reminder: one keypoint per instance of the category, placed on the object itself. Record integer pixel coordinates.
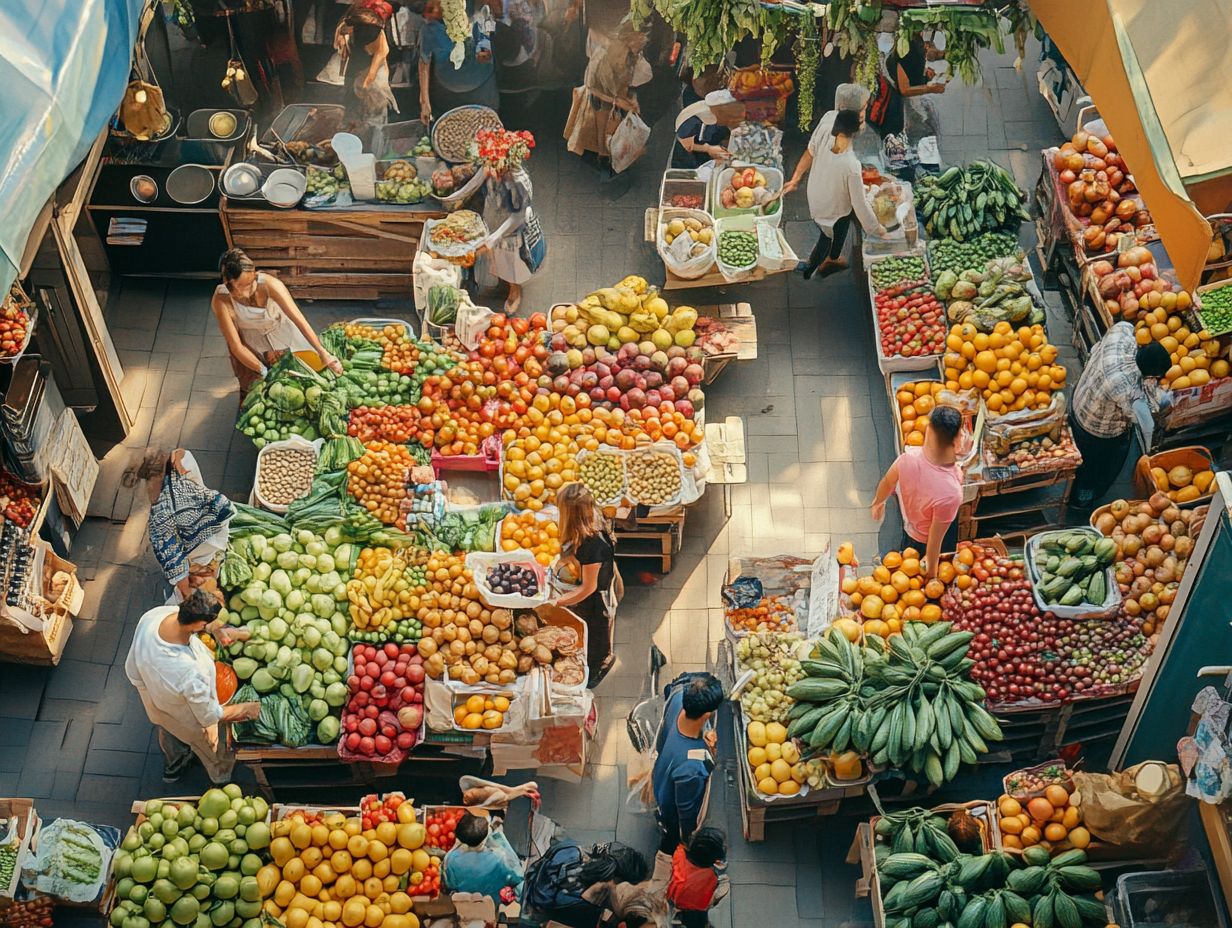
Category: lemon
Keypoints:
(781, 771)
(757, 757)
(769, 786)
(762, 772)
(776, 733)
(790, 753)
(774, 751)
(789, 788)
(757, 734)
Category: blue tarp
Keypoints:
(64, 65)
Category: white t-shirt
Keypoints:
(179, 679)
(835, 186)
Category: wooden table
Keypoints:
(365, 253)
(713, 278)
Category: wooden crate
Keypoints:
(656, 535)
(361, 254)
(1025, 502)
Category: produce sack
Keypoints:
(1143, 806)
(892, 202)
(628, 142)
(432, 272)
(295, 442)
(677, 256)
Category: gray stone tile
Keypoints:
(117, 737)
(115, 763)
(78, 680)
(97, 788)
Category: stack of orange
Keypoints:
(1195, 355)
(474, 713)
(378, 479)
(1012, 368)
(915, 401)
(535, 468)
(525, 531)
(1052, 821)
(453, 406)
(666, 422)
(896, 592)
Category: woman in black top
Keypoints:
(584, 536)
(362, 34)
(908, 78)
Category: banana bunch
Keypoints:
(907, 702)
(963, 202)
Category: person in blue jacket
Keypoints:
(686, 743)
(482, 862)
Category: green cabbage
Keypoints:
(282, 542)
(328, 729)
(336, 694)
(288, 560)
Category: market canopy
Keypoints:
(63, 66)
(1156, 73)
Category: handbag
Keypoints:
(879, 105)
(533, 246)
(628, 142)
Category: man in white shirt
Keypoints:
(174, 674)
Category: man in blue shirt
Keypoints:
(442, 86)
(482, 861)
(686, 743)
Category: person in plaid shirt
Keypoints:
(1112, 393)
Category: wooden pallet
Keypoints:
(360, 254)
(1036, 735)
(651, 536)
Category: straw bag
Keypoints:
(142, 110)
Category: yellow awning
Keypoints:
(1157, 74)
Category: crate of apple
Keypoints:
(392, 807)
(441, 821)
(911, 322)
(383, 717)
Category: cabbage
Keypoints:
(271, 651)
(280, 582)
(301, 678)
(311, 636)
(258, 544)
(318, 709)
(269, 555)
(329, 581)
(313, 585)
(336, 694)
(294, 600)
(316, 548)
(282, 542)
(277, 630)
(317, 689)
(254, 649)
(250, 613)
(244, 667)
(333, 536)
(301, 576)
(251, 594)
(325, 564)
(323, 605)
(330, 677)
(262, 572)
(263, 681)
(339, 624)
(307, 561)
(340, 664)
(288, 560)
(328, 729)
(343, 556)
(304, 537)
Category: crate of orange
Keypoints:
(896, 591)
(1052, 821)
(913, 394)
(1014, 369)
(536, 532)
(483, 713)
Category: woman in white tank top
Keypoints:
(259, 319)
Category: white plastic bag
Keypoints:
(334, 71)
(430, 272)
(628, 142)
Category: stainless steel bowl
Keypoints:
(135, 184)
(241, 180)
(285, 187)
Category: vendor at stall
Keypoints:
(929, 483)
(173, 671)
(835, 193)
(444, 86)
(360, 39)
(908, 77)
(482, 861)
(188, 521)
(260, 320)
(1119, 386)
(589, 549)
(703, 128)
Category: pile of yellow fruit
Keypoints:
(337, 874)
(915, 401)
(477, 712)
(535, 468)
(774, 760)
(1052, 821)
(895, 592)
(376, 602)
(1195, 355)
(1012, 368)
(524, 531)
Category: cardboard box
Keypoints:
(27, 824)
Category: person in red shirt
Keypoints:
(699, 878)
(929, 484)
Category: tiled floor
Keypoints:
(76, 737)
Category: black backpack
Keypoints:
(552, 889)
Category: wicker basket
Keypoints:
(1195, 457)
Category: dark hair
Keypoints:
(616, 862)
(706, 847)
(471, 830)
(199, 607)
(945, 422)
(846, 122)
(634, 920)
(233, 263)
(1153, 360)
(702, 694)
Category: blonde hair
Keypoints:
(580, 517)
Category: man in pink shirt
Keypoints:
(929, 483)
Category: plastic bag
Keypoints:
(432, 272)
(1113, 810)
(743, 593)
(628, 142)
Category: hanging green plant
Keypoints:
(967, 31)
(713, 27)
(808, 57)
(853, 25)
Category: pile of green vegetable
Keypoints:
(940, 886)
(1071, 568)
(906, 701)
(963, 202)
(738, 249)
(994, 293)
(283, 720)
(443, 303)
(946, 254)
(468, 529)
(1216, 310)
(291, 399)
(890, 271)
(289, 592)
(364, 382)
(193, 864)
